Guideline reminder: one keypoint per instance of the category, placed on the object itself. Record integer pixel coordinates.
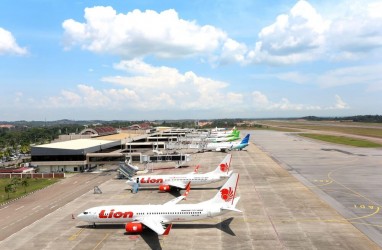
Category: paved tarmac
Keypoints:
(347, 178)
(25, 211)
(279, 212)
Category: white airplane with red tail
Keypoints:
(168, 182)
(156, 217)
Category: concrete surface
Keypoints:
(279, 212)
(348, 178)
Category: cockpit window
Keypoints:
(85, 212)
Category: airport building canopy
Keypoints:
(77, 147)
(75, 144)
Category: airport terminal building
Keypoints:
(77, 155)
(72, 156)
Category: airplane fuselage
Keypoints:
(162, 213)
(195, 179)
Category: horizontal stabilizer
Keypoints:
(232, 209)
(233, 206)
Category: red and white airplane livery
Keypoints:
(156, 217)
(180, 181)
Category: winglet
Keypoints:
(167, 231)
(187, 190)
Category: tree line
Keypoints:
(357, 118)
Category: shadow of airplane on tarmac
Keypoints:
(154, 241)
(223, 226)
(173, 192)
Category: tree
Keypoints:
(15, 181)
(9, 189)
(25, 184)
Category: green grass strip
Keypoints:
(20, 190)
(343, 140)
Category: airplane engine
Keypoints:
(164, 188)
(134, 227)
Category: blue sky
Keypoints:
(150, 59)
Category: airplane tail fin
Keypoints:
(236, 133)
(245, 139)
(227, 193)
(224, 166)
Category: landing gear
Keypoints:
(94, 226)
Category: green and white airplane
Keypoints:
(235, 135)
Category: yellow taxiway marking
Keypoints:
(74, 236)
(342, 185)
(356, 193)
(365, 216)
(321, 185)
(104, 238)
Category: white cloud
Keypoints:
(351, 31)
(137, 34)
(367, 75)
(355, 32)
(233, 51)
(375, 9)
(261, 102)
(8, 44)
(340, 104)
(294, 37)
(148, 88)
(294, 76)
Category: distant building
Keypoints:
(98, 131)
(142, 126)
(202, 124)
(71, 156)
(8, 126)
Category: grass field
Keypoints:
(356, 129)
(33, 185)
(343, 140)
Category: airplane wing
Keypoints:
(175, 200)
(179, 198)
(178, 184)
(155, 225)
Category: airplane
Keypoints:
(167, 182)
(216, 129)
(224, 146)
(230, 133)
(233, 137)
(156, 217)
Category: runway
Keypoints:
(278, 212)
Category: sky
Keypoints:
(196, 59)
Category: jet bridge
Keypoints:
(179, 158)
(126, 169)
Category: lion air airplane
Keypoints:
(156, 216)
(168, 182)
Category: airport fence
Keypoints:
(32, 175)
